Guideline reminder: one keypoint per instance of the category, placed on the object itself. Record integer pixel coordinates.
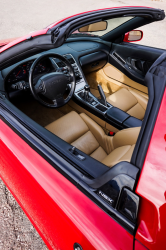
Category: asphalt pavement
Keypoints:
(19, 18)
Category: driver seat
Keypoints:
(82, 132)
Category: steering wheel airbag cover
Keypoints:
(54, 85)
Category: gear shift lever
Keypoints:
(103, 97)
(86, 92)
(85, 95)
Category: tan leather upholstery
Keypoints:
(110, 73)
(121, 91)
(123, 153)
(86, 135)
(129, 101)
(64, 127)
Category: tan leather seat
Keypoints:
(129, 101)
(86, 135)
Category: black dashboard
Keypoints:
(19, 72)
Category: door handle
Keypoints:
(138, 65)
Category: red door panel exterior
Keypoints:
(60, 212)
(139, 246)
(152, 188)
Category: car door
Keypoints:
(151, 185)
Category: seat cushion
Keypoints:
(137, 111)
(125, 137)
(99, 154)
(86, 143)
(130, 102)
(122, 99)
(69, 127)
(123, 153)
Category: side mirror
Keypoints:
(99, 26)
(133, 36)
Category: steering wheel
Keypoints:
(52, 86)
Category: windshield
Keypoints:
(111, 25)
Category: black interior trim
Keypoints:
(93, 57)
(120, 168)
(132, 122)
(117, 114)
(87, 38)
(156, 87)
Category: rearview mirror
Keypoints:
(133, 36)
(99, 26)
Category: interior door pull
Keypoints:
(138, 65)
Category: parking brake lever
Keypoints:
(103, 97)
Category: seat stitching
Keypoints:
(81, 136)
(95, 150)
(98, 148)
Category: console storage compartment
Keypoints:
(117, 115)
(132, 122)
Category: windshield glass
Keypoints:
(111, 24)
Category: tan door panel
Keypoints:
(98, 77)
(111, 80)
(112, 72)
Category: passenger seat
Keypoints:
(82, 132)
(129, 101)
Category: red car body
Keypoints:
(49, 199)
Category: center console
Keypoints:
(112, 115)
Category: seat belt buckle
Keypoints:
(110, 133)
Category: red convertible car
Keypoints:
(83, 130)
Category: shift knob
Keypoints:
(86, 92)
(87, 88)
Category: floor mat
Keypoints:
(41, 114)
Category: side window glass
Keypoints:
(154, 35)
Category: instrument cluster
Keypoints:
(21, 72)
